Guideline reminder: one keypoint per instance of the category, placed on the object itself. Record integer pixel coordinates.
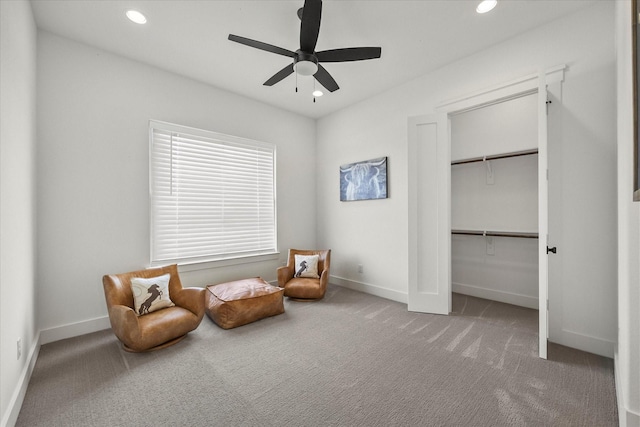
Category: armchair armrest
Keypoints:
(192, 299)
(124, 323)
(324, 278)
(284, 275)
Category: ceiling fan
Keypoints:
(306, 61)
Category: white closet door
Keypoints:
(543, 219)
(429, 173)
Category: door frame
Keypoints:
(533, 83)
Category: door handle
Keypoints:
(553, 249)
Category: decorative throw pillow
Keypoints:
(150, 294)
(306, 266)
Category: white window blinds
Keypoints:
(212, 195)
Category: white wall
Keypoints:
(374, 234)
(93, 113)
(627, 360)
(509, 203)
(505, 127)
(17, 202)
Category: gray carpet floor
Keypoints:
(351, 359)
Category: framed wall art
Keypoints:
(364, 180)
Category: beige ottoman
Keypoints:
(243, 301)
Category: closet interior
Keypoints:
(494, 201)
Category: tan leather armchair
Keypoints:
(302, 288)
(160, 328)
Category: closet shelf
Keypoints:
(495, 157)
(519, 234)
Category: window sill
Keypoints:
(205, 265)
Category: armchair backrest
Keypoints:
(324, 258)
(117, 287)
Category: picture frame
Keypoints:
(364, 180)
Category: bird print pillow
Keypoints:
(150, 294)
(306, 266)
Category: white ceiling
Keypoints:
(189, 37)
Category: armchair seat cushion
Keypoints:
(166, 324)
(304, 288)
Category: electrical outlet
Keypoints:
(360, 270)
(19, 346)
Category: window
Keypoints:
(212, 196)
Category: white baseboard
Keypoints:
(370, 289)
(509, 298)
(627, 418)
(632, 418)
(15, 404)
(583, 342)
(495, 295)
(71, 330)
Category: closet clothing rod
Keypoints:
(496, 233)
(495, 156)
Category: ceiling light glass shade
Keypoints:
(136, 17)
(306, 68)
(486, 6)
(317, 93)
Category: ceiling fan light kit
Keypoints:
(306, 68)
(306, 61)
(305, 64)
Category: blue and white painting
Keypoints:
(364, 180)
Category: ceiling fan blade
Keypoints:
(310, 26)
(349, 54)
(324, 78)
(279, 75)
(262, 46)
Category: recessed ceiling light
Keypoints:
(486, 5)
(317, 93)
(136, 17)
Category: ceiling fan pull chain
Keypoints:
(296, 82)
